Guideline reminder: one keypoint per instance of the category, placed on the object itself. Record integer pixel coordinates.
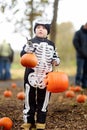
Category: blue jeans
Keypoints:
(79, 72)
(5, 69)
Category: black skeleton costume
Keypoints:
(37, 97)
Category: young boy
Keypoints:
(37, 97)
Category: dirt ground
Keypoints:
(63, 113)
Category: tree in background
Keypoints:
(34, 9)
(54, 21)
(65, 32)
(22, 13)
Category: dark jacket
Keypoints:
(80, 42)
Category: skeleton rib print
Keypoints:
(44, 53)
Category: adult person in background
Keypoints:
(6, 58)
(80, 44)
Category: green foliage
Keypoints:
(65, 32)
(23, 13)
(16, 63)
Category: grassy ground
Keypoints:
(17, 73)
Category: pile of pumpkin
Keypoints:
(56, 82)
(5, 122)
(76, 92)
(8, 93)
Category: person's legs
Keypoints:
(29, 107)
(7, 70)
(43, 97)
(84, 79)
(79, 72)
(2, 70)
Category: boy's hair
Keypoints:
(43, 23)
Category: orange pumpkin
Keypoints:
(13, 85)
(78, 89)
(72, 88)
(56, 82)
(70, 93)
(7, 93)
(29, 60)
(6, 123)
(81, 98)
(21, 95)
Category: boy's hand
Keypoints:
(54, 63)
(28, 48)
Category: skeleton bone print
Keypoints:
(44, 53)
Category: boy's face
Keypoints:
(85, 26)
(41, 31)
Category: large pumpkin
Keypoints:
(29, 60)
(56, 82)
(6, 123)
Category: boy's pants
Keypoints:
(35, 106)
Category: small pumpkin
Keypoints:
(13, 85)
(72, 88)
(6, 123)
(7, 93)
(21, 95)
(29, 60)
(56, 82)
(78, 89)
(81, 98)
(70, 93)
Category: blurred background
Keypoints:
(17, 20)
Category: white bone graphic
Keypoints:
(44, 53)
